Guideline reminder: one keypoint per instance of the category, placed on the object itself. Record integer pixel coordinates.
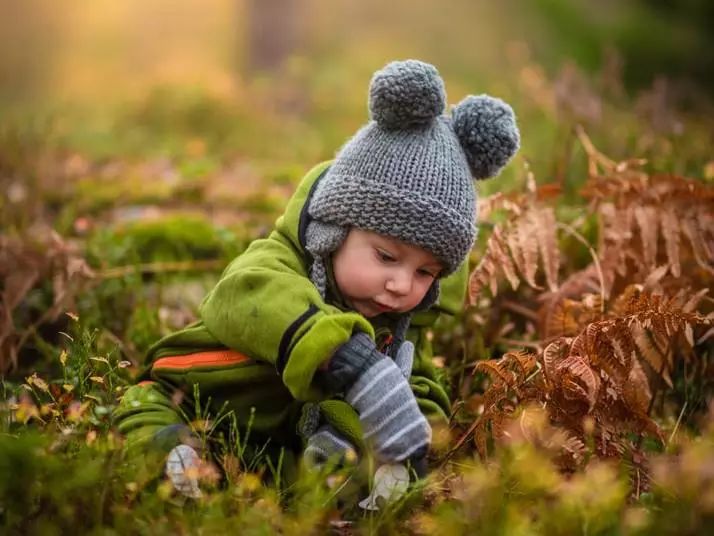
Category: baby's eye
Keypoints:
(384, 256)
(426, 273)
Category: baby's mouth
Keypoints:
(383, 308)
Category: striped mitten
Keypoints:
(327, 445)
(376, 388)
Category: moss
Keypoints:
(95, 194)
(174, 237)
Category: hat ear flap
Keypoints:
(321, 239)
(486, 128)
(430, 298)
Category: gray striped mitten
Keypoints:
(327, 445)
(376, 388)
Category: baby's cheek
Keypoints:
(422, 290)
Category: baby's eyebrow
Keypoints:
(388, 241)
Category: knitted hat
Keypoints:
(408, 172)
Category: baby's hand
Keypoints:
(328, 446)
(405, 358)
(376, 387)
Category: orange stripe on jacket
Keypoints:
(201, 359)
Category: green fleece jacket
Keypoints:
(267, 311)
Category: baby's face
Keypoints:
(378, 274)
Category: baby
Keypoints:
(315, 337)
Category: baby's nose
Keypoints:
(400, 283)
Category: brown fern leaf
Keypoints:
(499, 374)
(508, 377)
(692, 301)
(578, 381)
(647, 222)
(552, 355)
(654, 278)
(636, 391)
(627, 302)
(543, 222)
(480, 277)
(578, 288)
(612, 357)
(510, 203)
(486, 272)
(562, 320)
(705, 218)
(497, 408)
(622, 342)
(643, 220)
(650, 354)
(663, 316)
(569, 317)
(702, 255)
(525, 230)
(670, 231)
(503, 259)
(511, 370)
(522, 362)
(514, 247)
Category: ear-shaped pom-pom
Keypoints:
(406, 93)
(486, 128)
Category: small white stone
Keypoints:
(391, 481)
(180, 461)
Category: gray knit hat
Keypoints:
(408, 172)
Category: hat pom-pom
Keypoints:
(486, 127)
(405, 94)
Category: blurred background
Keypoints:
(137, 76)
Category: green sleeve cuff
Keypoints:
(426, 389)
(327, 333)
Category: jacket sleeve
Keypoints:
(429, 390)
(144, 411)
(266, 307)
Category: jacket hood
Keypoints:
(293, 223)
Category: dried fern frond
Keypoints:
(614, 332)
(575, 381)
(515, 250)
(648, 221)
(659, 360)
(24, 264)
(567, 317)
(508, 378)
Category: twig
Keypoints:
(593, 154)
(463, 438)
(520, 309)
(515, 342)
(676, 425)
